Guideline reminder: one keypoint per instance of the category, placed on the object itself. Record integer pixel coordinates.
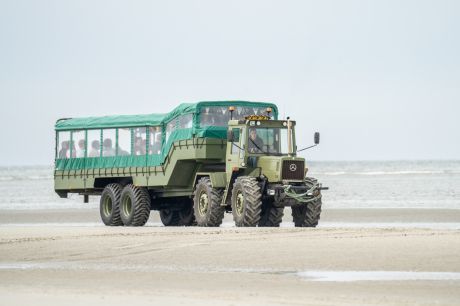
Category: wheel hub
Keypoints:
(239, 203)
(127, 206)
(107, 207)
(203, 203)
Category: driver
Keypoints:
(255, 143)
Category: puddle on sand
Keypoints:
(315, 276)
(424, 225)
(356, 276)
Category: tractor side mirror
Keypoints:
(316, 138)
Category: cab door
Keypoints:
(235, 149)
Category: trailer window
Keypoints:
(214, 116)
(186, 121)
(220, 115)
(140, 141)
(108, 143)
(94, 143)
(170, 127)
(155, 140)
(63, 145)
(124, 142)
(78, 147)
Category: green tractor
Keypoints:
(192, 165)
(263, 176)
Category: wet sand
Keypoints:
(65, 257)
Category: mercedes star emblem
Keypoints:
(293, 167)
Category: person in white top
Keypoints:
(81, 148)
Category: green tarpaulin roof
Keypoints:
(149, 119)
(109, 121)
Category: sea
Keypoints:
(352, 184)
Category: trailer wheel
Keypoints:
(206, 204)
(109, 207)
(134, 205)
(169, 217)
(307, 215)
(271, 216)
(246, 201)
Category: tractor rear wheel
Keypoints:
(109, 207)
(206, 204)
(246, 201)
(134, 205)
(271, 216)
(169, 217)
(187, 214)
(307, 215)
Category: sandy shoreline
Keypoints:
(47, 265)
(364, 215)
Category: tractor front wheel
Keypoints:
(246, 201)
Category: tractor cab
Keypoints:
(259, 146)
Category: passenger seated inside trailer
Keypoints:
(64, 151)
(95, 144)
(107, 149)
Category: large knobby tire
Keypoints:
(109, 207)
(182, 217)
(271, 216)
(134, 205)
(307, 215)
(246, 201)
(206, 204)
(169, 217)
(187, 214)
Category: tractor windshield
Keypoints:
(268, 140)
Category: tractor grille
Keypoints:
(293, 170)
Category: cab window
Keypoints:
(236, 140)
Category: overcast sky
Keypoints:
(379, 79)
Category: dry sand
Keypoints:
(53, 263)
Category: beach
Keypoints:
(355, 257)
(389, 234)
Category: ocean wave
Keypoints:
(25, 178)
(400, 172)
